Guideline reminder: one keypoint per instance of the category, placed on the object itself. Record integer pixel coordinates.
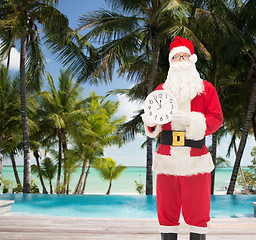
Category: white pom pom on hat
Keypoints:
(193, 58)
(182, 45)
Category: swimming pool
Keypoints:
(120, 206)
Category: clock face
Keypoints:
(159, 106)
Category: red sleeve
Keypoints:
(213, 115)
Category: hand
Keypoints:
(181, 117)
(146, 121)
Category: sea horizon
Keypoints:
(125, 184)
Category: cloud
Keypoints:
(128, 108)
(15, 60)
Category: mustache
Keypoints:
(179, 66)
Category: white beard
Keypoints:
(183, 81)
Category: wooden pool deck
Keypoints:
(64, 228)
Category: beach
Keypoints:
(123, 185)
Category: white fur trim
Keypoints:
(199, 230)
(181, 165)
(181, 49)
(168, 229)
(197, 127)
(154, 134)
(193, 58)
(180, 151)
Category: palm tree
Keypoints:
(86, 150)
(59, 109)
(37, 157)
(47, 169)
(243, 21)
(37, 141)
(10, 135)
(134, 39)
(96, 132)
(247, 14)
(82, 151)
(141, 30)
(19, 22)
(215, 21)
(248, 119)
(70, 166)
(10, 130)
(109, 171)
(234, 106)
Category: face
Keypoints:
(180, 57)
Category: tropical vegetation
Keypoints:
(19, 22)
(140, 48)
(47, 170)
(132, 39)
(69, 130)
(250, 175)
(139, 187)
(109, 170)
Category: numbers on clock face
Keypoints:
(159, 106)
(158, 101)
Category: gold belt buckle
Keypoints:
(178, 138)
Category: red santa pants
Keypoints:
(192, 194)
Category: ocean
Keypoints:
(123, 185)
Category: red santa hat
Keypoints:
(182, 45)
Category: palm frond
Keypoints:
(130, 129)
(35, 65)
(106, 25)
(118, 171)
(69, 53)
(52, 20)
(232, 142)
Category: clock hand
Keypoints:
(158, 103)
(162, 105)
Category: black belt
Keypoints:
(177, 138)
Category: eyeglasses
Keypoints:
(178, 57)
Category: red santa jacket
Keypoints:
(206, 118)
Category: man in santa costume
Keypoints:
(184, 172)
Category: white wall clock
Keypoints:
(159, 106)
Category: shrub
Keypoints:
(18, 189)
(139, 187)
(7, 184)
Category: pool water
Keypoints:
(117, 206)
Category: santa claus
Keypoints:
(184, 169)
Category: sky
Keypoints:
(131, 154)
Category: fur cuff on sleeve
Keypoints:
(158, 129)
(197, 127)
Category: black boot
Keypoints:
(169, 236)
(197, 236)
